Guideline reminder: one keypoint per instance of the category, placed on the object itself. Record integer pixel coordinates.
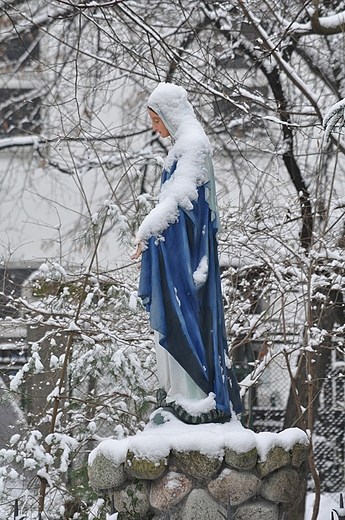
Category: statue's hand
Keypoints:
(137, 254)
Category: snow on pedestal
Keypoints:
(180, 471)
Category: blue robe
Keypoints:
(190, 317)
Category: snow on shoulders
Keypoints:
(189, 152)
(181, 189)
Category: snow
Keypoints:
(173, 482)
(55, 393)
(73, 326)
(327, 22)
(268, 440)
(332, 21)
(20, 141)
(195, 406)
(114, 450)
(43, 474)
(66, 444)
(280, 122)
(44, 269)
(133, 300)
(54, 361)
(200, 275)
(14, 439)
(38, 364)
(18, 378)
(13, 474)
(155, 442)
(328, 502)
(334, 108)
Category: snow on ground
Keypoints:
(157, 440)
(328, 502)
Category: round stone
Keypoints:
(277, 457)
(234, 484)
(257, 510)
(105, 475)
(142, 468)
(299, 454)
(196, 464)
(169, 490)
(133, 500)
(281, 486)
(200, 505)
(243, 461)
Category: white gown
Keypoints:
(173, 378)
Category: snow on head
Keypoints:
(170, 103)
(190, 151)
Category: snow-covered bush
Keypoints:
(104, 389)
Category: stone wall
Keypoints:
(194, 485)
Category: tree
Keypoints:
(262, 76)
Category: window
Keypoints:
(19, 107)
(20, 51)
(19, 112)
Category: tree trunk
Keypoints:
(324, 317)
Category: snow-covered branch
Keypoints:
(31, 140)
(282, 63)
(323, 25)
(39, 19)
(335, 115)
(327, 25)
(259, 369)
(91, 5)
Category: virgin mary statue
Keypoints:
(180, 277)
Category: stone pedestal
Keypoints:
(174, 471)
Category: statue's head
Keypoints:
(169, 103)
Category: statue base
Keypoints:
(173, 471)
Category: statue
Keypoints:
(180, 276)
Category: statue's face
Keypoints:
(157, 124)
